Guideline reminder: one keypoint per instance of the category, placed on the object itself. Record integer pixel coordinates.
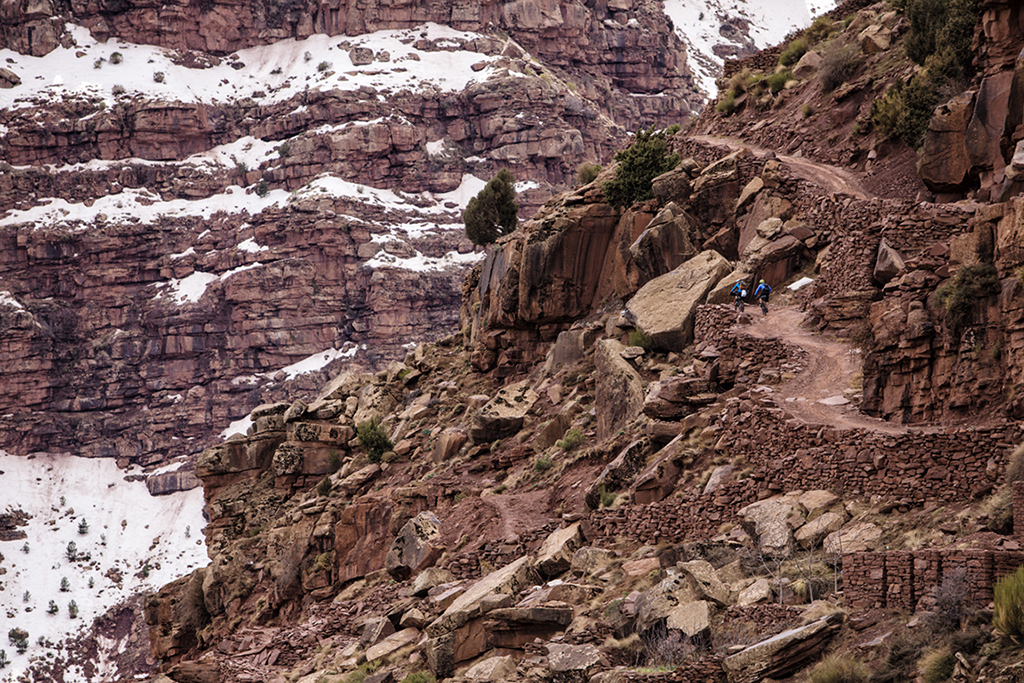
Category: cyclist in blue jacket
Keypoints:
(762, 293)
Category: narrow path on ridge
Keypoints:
(830, 178)
(816, 395)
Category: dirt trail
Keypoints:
(816, 395)
(832, 179)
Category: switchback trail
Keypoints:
(832, 179)
(817, 395)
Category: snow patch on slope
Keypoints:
(150, 541)
(699, 24)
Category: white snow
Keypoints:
(436, 148)
(318, 361)
(190, 289)
(7, 299)
(524, 185)
(421, 263)
(697, 22)
(272, 73)
(237, 427)
(163, 532)
(250, 246)
(802, 282)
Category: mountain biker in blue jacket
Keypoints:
(739, 290)
(762, 293)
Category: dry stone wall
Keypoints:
(905, 580)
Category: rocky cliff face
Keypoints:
(154, 261)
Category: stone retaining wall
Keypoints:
(903, 580)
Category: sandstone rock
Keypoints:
(817, 502)
(664, 307)
(944, 159)
(770, 227)
(705, 582)
(811, 534)
(657, 602)
(429, 578)
(503, 415)
(414, 618)
(1015, 169)
(172, 482)
(783, 654)
(854, 538)
(9, 79)
(498, 668)
(619, 388)
(770, 523)
(619, 473)
(572, 663)
(819, 609)
(415, 548)
(807, 66)
(875, 39)
(393, 644)
(693, 619)
(759, 591)
(375, 630)
(588, 560)
(555, 555)
(719, 294)
(888, 263)
(505, 581)
(665, 244)
(719, 476)
(641, 567)
(673, 186)
(448, 444)
(356, 481)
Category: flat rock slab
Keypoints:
(781, 655)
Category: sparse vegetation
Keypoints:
(820, 30)
(838, 65)
(960, 295)
(65, 585)
(116, 58)
(951, 605)
(493, 212)
(323, 66)
(937, 665)
(262, 188)
(570, 440)
(71, 551)
(639, 164)
(419, 677)
(373, 439)
(794, 51)
(117, 90)
(1008, 609)
(19, 639)
(641, 339)
(83, 527)
(158, 76)
(543, 464)
(839, 669)
(807, 110)
(52, 609)
(606, 497)
(324, 487)
(777, 81)
(587, 173)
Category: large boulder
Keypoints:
(665, 244)
(505, 581)
(814, 532)
(944, 159)
(856, 537)
(783, 654)
(619, 388)
(665, 307)
(705, 582)
(415, 548)
(658, 602)
(693, 618)
(504, 414)
(888, 263)
(556, 553)
(771, 522)
(572, 663)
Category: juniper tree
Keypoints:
(494, 211)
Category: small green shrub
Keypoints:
(373, 439)
(73, 609)
(419, 677)
(65, 585)
(158, 77)
(727, 103)
(52, 609)
(807, 110)
(323, 66)
(543, 464)
(72, 551)
(262, 189)
(639, 164)
(323, 561)
(839, 669)
(1015, 467)
(838, 65)
(116, 58)
(937, 665)
(905, 110)
(777, 81)
(83, 527)
(1008, 609)
(284, 149)
(961, 294)
(117, 90)
(606, 497)
(98, 64)
(819, 30)
(641, 339)
(793, 52)
(570, 440)
(324, 487)
(587, 173)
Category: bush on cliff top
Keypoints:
(494, 211)
(640, 163)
